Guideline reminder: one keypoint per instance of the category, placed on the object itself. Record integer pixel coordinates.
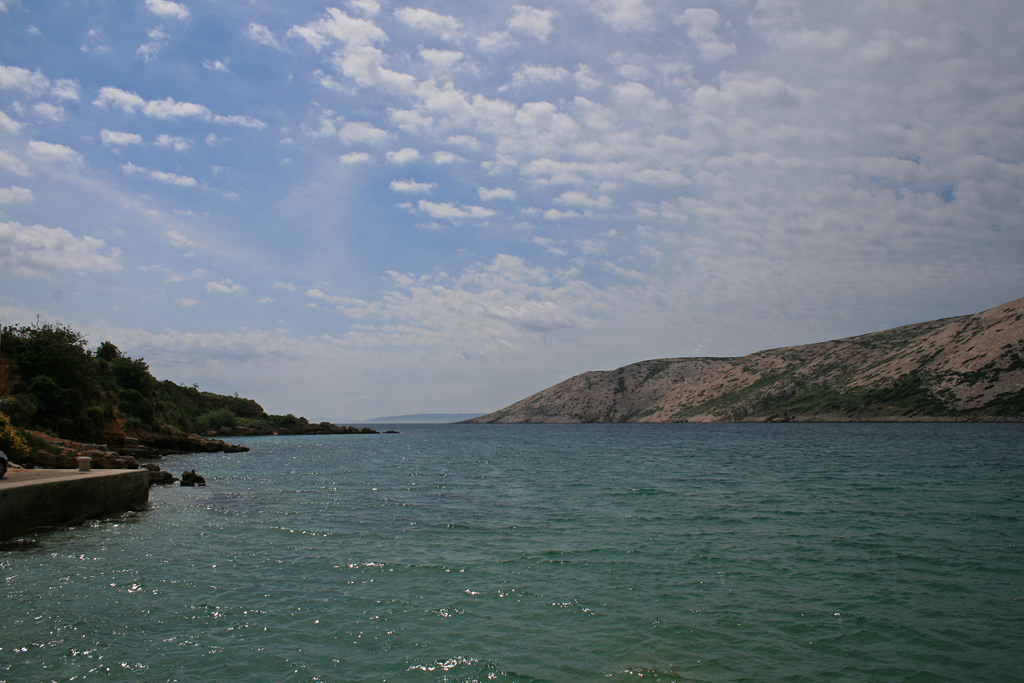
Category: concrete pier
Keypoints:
(30, 499)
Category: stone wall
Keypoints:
(30, 499)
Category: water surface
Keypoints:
(547, 553)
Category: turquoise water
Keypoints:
(547, 553)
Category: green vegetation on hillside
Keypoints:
(51, 381)
(12, 443)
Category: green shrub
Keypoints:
(135, 407)
(11, 442)
(215, 419)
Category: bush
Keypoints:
(215, 419)
(135, 406)
(19, 408)
(11, 442)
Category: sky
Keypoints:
(346, 210)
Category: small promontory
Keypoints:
(61, 399)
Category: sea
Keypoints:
(558, 553)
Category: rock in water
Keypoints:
(192, 479)
(159, 476)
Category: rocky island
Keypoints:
(967, 368)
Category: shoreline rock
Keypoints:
(192, 479)
(300, 429)
(124, 451)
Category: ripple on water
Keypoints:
(620, 553)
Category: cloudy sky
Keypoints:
(368, 208)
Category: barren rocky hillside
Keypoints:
(965, 368)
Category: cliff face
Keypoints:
(964, 368)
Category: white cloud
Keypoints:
(187, 302)
(440, 25)
(216, 65)
(128, 102)
(657, 176)
(749, 89)
(34, 84)
(591, 247)
(238, 120)
(359, 132)
(624, 14)
(262, 35)
(49, 111)
(9, 124)
(532, 21)
(157, 40)
(13, 164)
(411, 186)
(166, 178)
(167, 8)
(513, 299)
(65, 89)
(529, 73)
(701, 24)
(495, 41)
(446, 157)
(338, 26)
(365, 65)
(403, 156)
(167, 109)
(15, 195)
(832, 41)
(583, 200)
(450, 211)
(225, 287)
(95, 42)
(441, 60)
(370, 8)
(172, 142)
(410, 120)
(467, 141)
(585, 78)
(354, 158)
(36, 250)
(624, 272)
(177, 239)
(487, 307)
(50, 152)
(496, 193)
(640, 98)
(173, 179)
(557, 215)
(111, 137)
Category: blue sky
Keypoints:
(365, 208)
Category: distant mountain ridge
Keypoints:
(964, 368)
(423, 418)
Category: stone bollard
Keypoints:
(84, 463)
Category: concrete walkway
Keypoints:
(30, 499)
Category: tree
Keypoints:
(49, 349)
